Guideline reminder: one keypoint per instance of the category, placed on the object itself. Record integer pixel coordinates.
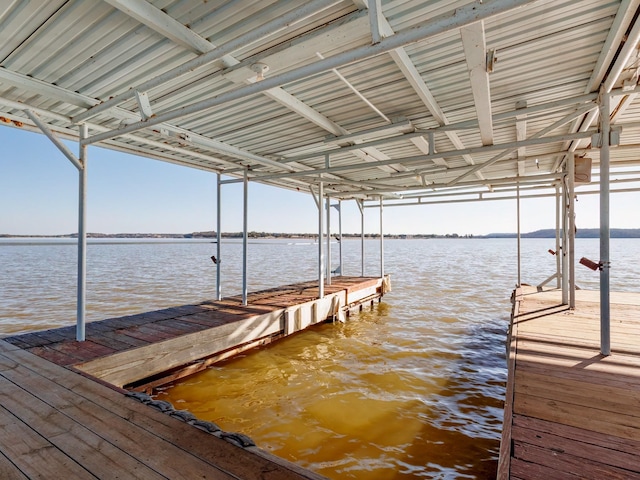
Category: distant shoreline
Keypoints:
(546, 233)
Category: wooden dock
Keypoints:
(140, 351)
(64, 412)
(55, 423)
(569, 411)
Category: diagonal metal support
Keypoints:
(54, 139)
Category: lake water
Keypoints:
(413, 388)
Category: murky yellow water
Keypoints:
(368, 399)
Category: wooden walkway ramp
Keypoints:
(56, 424)
(570, 412)
(140, 351)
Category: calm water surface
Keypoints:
(411, 389)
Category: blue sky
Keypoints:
(127, 194)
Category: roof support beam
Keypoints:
(628, 49)
(626, 11)
(73, 135)
(357, 92)
(509, 147)
(74, 98)
(210, 52)
(475, 49)
(568, 118)
(460, 17)
(414, 78)
(521, 134)
(544, 107)
(625, 15)
(162, 23)
(622, 107)
(484, 196)
(157, 20)
(33, 85)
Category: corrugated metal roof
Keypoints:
(61, 58)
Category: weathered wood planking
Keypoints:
(125, 350)
(571, 412)
(58, 424)
(129, 366)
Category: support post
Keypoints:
(572, 232)
(565, 249)
(360, 204)
(340, 234)
(605, 307)
(558, 252)
(518, 229)
(245, 210)
(82, 237)
(381, 241)
(218, 238)
(320, 241)
(328, 208)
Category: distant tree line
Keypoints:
(580, 233)
(545, 233)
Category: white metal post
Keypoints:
(518, 229)
(218, 238)
(572, 232)
(245, 236)
(340, 234)
(328, 208)
(381, 242)
(605, 308)
(558, 252)
(320, 241)
(565, 249)
(82, 238)
(360, 204)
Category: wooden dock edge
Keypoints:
(504, 461)
(131, 366)
(76, 427)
